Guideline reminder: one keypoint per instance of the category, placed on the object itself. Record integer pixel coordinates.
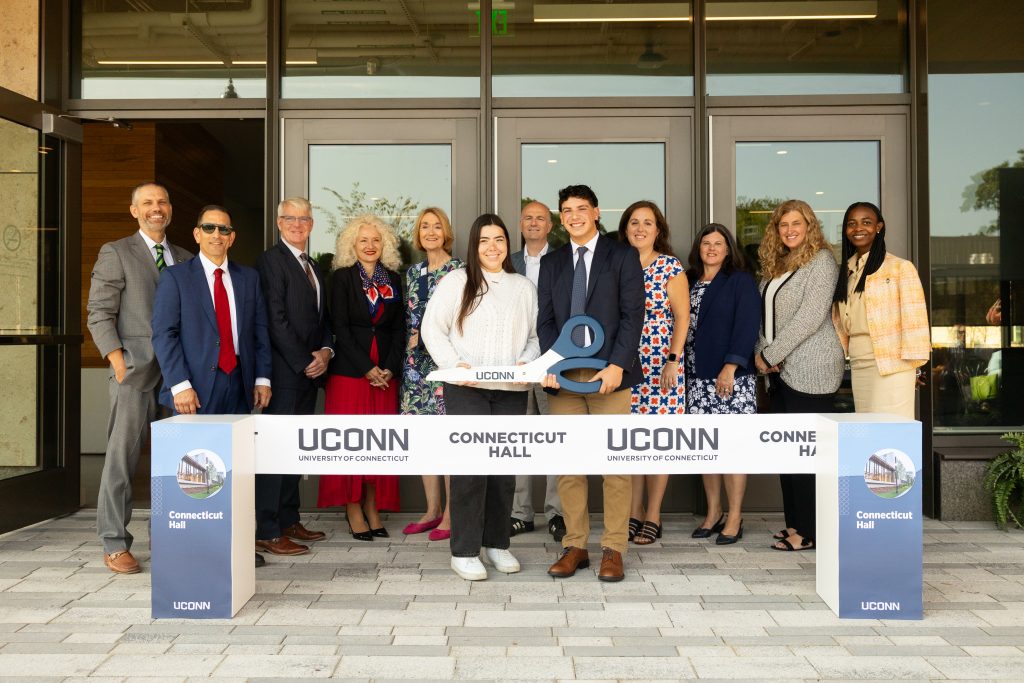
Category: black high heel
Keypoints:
(361, 535)
(729, 540)
(634, 527)
(701, 532)
(380, 533)
(648, 533)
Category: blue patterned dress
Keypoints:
(648, 397)
(420, 397)
(701, 397)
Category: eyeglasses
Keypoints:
(288, 220)
(208, 228)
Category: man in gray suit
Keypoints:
(120, 308)
(535, 224)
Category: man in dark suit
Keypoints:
(535, 225)
(120, 308)
(596, 276)
(300, 340)
(210, 329)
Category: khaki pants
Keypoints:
(572, 488)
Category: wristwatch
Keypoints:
(673, 358)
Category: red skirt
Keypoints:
(355, 396)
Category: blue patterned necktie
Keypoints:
(160, 263)
(579, 295)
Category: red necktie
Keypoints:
(226, 360)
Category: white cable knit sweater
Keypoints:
(501, 330)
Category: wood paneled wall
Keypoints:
(181, 156)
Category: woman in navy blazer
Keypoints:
(725, 314)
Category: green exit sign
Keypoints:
(499, 22)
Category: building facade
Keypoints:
(715, 109)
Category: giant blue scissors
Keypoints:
(563, 355)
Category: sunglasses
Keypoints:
(208, 228)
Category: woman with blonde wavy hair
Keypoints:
(367, 317)
(798, 348)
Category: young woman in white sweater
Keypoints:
(484, 314)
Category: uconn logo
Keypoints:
(191, 606)
(872, 606)
(353, 439)
(662, 439)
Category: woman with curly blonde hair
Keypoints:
(367, 317)
(798, 347)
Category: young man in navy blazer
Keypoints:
(609, 287)
(301, 341)
(215, 358)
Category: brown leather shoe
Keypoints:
(122, 563)
(611, 566)
(282, 545)
(301, 533)
(570, 560)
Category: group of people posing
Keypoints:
(678, 338)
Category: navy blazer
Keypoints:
(728, 323)
(185, 335)
(615, 297)
(297, 321)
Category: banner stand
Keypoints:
(869, 467)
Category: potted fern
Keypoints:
(1005, 480)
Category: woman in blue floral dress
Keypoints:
(666, 319)
(725, 316)
(433, 235)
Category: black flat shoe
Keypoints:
(634, 527)
(729, 540)
(701, 532)
(362, 535)
(380, 533)
(260, 562)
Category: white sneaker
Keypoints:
(503, 560)
(469, 568)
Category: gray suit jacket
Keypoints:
(121, 305)
(519, 261)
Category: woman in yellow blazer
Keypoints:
(880, 315)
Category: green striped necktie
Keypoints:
(160, 263)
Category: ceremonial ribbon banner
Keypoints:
(869, 552)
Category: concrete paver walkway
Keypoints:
(392, 609)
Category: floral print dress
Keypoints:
(418, 396)
(701, 397)
(648, 397)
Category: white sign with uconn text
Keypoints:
(537, 444)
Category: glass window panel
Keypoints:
(161, 49)
(806, 47)
(381, 49)
(828, 175)
(976, 207)
(393, 182)
(19, 419)
(619, 173)
(592, 49)
(19, 48)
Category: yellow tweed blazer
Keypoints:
(897, 317)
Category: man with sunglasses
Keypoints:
(210, 328)
(120, 308)
(301, 341)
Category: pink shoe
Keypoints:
(439, 534)
(420, 527)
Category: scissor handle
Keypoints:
(571, 364)
(566, 348)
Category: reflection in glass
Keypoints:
(169, 49)
(381, 49)
(19, 418)
(19, 58)
(976, 201)
(807, 47)
(20, 150)
(588, 49)
(619, 173)
(828, 175)
(390, 181)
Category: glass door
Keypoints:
(390, 167)
(827, 160)
(623, 159)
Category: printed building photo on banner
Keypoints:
(889, 473)
(201, 473)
